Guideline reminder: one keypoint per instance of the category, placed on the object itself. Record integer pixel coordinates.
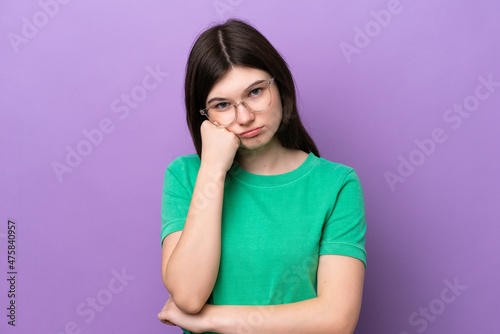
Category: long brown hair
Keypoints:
(236, 43)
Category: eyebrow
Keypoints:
(213, 99)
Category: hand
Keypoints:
(171, 315)
(219, 146)
(164, 314)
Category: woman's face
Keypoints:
(231, 86)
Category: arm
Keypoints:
(190, 260)
(189, 273)
(335, 310)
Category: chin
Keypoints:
(260, 144)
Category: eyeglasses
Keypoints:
(223, 112)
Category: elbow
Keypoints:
(343, 327)
(184, 301)
(188, 305)
(340, 325)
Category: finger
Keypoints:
(164, 320)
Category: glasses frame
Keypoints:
(204, 112)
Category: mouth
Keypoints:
(251, 133)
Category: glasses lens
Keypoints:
(222, 113)
(258, 98)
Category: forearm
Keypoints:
(309, 316)
(193, 266)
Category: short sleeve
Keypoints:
(174, 205)
(344, 231)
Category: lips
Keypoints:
(251, 133)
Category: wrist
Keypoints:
(214, 321)
(210, 323)
(215, 173)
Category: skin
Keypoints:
(262, 154)
(340, 278)
(334, 311)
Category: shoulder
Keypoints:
(334, 171)
(184, 163)
(181, 173)
(184, 168)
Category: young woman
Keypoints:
(259, 234)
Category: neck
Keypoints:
(269, 160)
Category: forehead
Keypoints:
(236, 80)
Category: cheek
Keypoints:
(230, 129)
(276, 115)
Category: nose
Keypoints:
(243, 115)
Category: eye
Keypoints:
(220, 106)
(255, 92)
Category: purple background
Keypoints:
(364, 110)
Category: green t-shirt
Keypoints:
(274, 227)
